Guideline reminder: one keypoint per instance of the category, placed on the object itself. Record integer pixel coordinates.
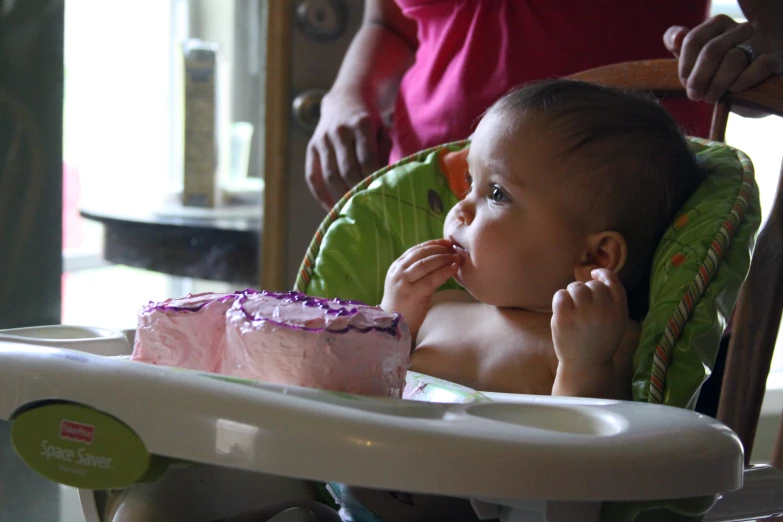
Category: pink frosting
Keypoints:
(295, 339)
(189, 332)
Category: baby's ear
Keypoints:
(606, 249)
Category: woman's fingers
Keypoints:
(344, 143)
(673, 37)
(717, 64)
(365, 135)
(314, 177)
(331, 171)
(697, 38)
(762, 68)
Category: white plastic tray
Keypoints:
(534, 447)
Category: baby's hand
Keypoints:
(415, 276)
(589, 319)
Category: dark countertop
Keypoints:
(219, 244)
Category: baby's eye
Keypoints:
(497, 194)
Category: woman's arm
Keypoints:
(345, 145)
(380, 53)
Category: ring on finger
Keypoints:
(747, 49)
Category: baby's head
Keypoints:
(568, 177)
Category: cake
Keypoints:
(292, 338)
(189, 332)
(284, 338)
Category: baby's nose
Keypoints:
(464, 211)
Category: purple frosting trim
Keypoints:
(162, 307)
(319, 302)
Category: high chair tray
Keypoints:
(534, 447)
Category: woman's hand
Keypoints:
(350, 142)
(710, 63)
(413, 279)
(344, 148)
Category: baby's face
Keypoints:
(516, 228)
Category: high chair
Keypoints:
(150, 443)
(758, 311)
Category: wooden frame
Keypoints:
(272, 268)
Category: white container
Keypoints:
(97, 341)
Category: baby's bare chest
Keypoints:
(479, 346)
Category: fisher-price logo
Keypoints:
(76, 431)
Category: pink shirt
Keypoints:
(471, 52)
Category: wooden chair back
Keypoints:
(758, 312)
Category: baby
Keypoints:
(572, 186)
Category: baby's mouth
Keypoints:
(458, 248)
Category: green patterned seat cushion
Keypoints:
(406, 204)
(399, 206)
(698, 269)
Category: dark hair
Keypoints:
(638, 161)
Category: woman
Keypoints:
(436, 65)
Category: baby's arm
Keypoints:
(589, 324)
(415, 276)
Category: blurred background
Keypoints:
(126, 237)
